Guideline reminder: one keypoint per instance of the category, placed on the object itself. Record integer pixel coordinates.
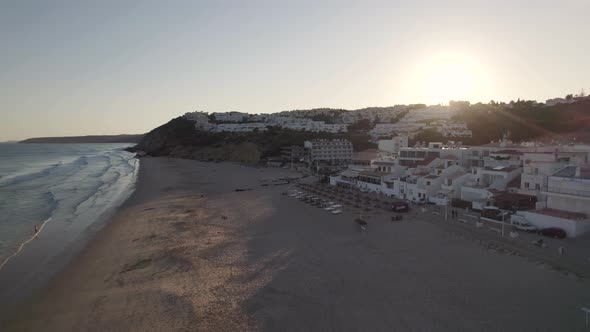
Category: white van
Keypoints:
(521, 224)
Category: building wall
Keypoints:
(470, 194)
(329, 150)
(575, 186)
(499, 179)
(570, 203)
(432, 188)
(393, 145)
(533, 183)
(456, 185)
(572, 228)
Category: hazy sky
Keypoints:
(107, 67)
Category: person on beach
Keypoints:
(36, 230)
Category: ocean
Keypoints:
(62, 190)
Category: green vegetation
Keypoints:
(523, 120)
(428, 135)
(361, 125)
(399, 116)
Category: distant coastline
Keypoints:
(86, 139)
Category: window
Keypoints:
(526, 184)
(537, 186)
(427, 183)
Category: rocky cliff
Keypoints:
(178, 138)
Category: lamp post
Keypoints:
(503, 215)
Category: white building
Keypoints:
(537, 167)
(231, 116)
(455, 130)
(201, 119)
(567, 204)
(393, 145)
(569, 189)
(240, 127)
(503, 158)
(452, 179)
(336, 151)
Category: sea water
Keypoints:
(61, 189)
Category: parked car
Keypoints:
(492, 212)
(400, 206)
(524, 226)
(553, 232)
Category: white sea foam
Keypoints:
(72, 194)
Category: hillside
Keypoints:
(525, 120)
(87, 139)
(178, 138)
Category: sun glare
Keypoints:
(445, 77)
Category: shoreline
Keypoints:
(28, 270)
(189, 251)
(24, 243)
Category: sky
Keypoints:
(112, 67)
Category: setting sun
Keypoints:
(445, 77)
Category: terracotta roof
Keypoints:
(561, 214)
(373, 173)
(515, 183)
(495, 191)
(426, 161)
(513, 196)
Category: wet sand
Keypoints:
(189, 253)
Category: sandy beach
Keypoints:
(187, 252)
